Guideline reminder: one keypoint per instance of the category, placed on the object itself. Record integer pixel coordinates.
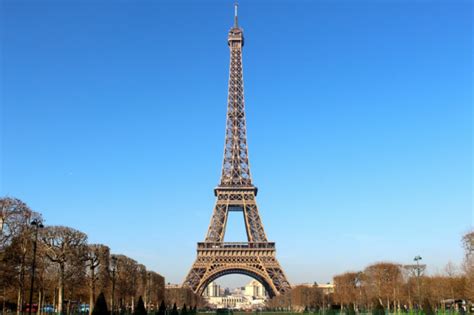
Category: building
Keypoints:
(326, 288)
(250, 297)
(213, 290)
(255, 289)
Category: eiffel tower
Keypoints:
(255, 258)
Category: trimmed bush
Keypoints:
(427, 307)
(162, 309)
(378, 309)
(100, 307)
(174, 311)
(184, 310)
(140, 309)
(350, 309)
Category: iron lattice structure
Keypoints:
(257, 257)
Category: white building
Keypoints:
(255, 289)
(212, 290)
(252, 296)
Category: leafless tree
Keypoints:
(156, 287)
(97, 256)
(63, 246)
(66, 268)
(347, 288)
(15, 242)
(126, 277)
(182, 296)
(413, 275)
(383, 282)
(15, 217)
(468, 265)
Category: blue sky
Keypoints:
(358, 114)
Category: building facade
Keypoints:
(250, 297)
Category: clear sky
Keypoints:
(358, 112)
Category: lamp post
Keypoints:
(418, 274)
(36, 225)
(114, 268)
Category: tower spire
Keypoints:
(236, 167)
(236, 15)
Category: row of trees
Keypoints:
(388, 286)
(398, 286)
(182, 296)
(68, 269)
(300, 298)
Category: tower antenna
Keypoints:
(236, 17)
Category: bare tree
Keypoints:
(141, 283)
(157, 288)
(414, 275)
(383, 281)
(46, 277)
(450, 269)
(66, 268)
(468, 266)
(15, 241)
(182, 295)
(63, 245)
(451, 274)
(126, 277)
(96, 256)
(15, 217)
(346, 288)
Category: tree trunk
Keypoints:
(410, 304)
(3, 304)
(54, 301)
(61, 288)
(19, 302)
(42, 302)
(38, 312)
(92, 291)
(21, 284)
(145, 294)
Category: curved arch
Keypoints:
(247, 272)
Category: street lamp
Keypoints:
(114, 268)
(36, 225)
(418, 274)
